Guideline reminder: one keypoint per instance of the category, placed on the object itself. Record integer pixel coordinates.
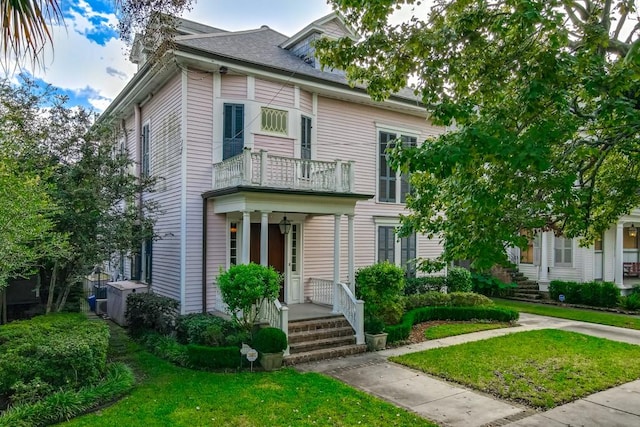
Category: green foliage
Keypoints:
(65, 404)
(458, 280)
(468, 299)
(270, 340)
(381, 287)
(420, 285)
(426, 300)
(165, 347)
(597, 294)
(204, 357)
(63, 351)
(533, 146)
(630, 302)
(244, 289)
(486, 284)
(374, 325)
(209, 330)
(151, 312)
(402, 330)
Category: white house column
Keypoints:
(264, 239)
(543, 278)
(336, 259)
(352, 273)
(618, 254)
(246, 236)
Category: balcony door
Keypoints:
(233, 133)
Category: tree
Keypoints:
(542, 99)
(95, 203)
(26, 23)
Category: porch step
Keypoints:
(325, 353)
(527, 296)
(529, 284)
(321, 338)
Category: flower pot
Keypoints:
(376, 342)
(271, 361)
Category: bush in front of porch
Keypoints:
(381, 287)
(596, 294)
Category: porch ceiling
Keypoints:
(246, 198)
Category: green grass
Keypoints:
(591, 316)
(452, 329)
(538, 368)
(173, 396)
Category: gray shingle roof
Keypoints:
(262, 47)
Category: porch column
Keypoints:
(543, 277)
(336, 260)
(618, 255)
(351, 243)
(246, 236)
(264, 239)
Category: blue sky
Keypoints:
(89, 64)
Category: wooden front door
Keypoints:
(276, 249)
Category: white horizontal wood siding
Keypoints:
(163, 113)
(199, 146)
(274, 93)
(234, 87)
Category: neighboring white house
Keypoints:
(613, 258)
(248, 136)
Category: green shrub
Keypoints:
(468, 299)
(204, 357)
(244, 286)
(62, 350)
(597, 294)
(373, 325)
(486, 284)
(458, 280)
(402, 330)
(270, 340)
(631, 302)
(381, 287)
(165, 347)
(206, 329)
(421, 285)
(151, 312)
(427, 299)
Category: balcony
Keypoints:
(261, 169)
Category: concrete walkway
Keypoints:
(454, 405)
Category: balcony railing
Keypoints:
(262, 169)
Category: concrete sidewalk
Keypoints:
(454, 405)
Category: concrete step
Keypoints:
(329, 322)
(318, 344)
(531, 285)
(531, 296)
(319, 334)
(326, 353)
(526, 291)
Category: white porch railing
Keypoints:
(322, 292)
(277, 316)
(266, 170)
(217, 301)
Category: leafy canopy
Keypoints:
(542, 102)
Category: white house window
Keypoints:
(274, 120)
(145, 167)
(305, 145)
(233, 243)
(563, 251)
(401, 252)
(294, 248)
(393, 186)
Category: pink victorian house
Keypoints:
(263, 156)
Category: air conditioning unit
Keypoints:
(101, 306)
(117, 293)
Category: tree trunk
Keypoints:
(62, 301)
(52, 287)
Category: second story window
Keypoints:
(305, 145)
(273, 120)
(145, 143)
(233, 132)
(393, 186)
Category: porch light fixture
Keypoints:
(233, 228)
(633, 231)
(285, 225)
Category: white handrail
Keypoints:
(352, 309)
(321, 291)
(277, 315)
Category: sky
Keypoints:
(89, 64)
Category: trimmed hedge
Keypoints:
(59, 350)
(270, 340)
(457, 299)
(207, 329)
(459, 280)
(596, 294)
(200, 356)
(402, 330)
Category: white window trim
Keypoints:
(238, 223)
(146, 123)
(399, 132)
(397, 248)
(573, 254)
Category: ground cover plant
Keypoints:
(542, 368)
(174, 396)
(591, 316)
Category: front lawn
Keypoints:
(538, 368)
(451, 329)
(591, 316)
(174, 396)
